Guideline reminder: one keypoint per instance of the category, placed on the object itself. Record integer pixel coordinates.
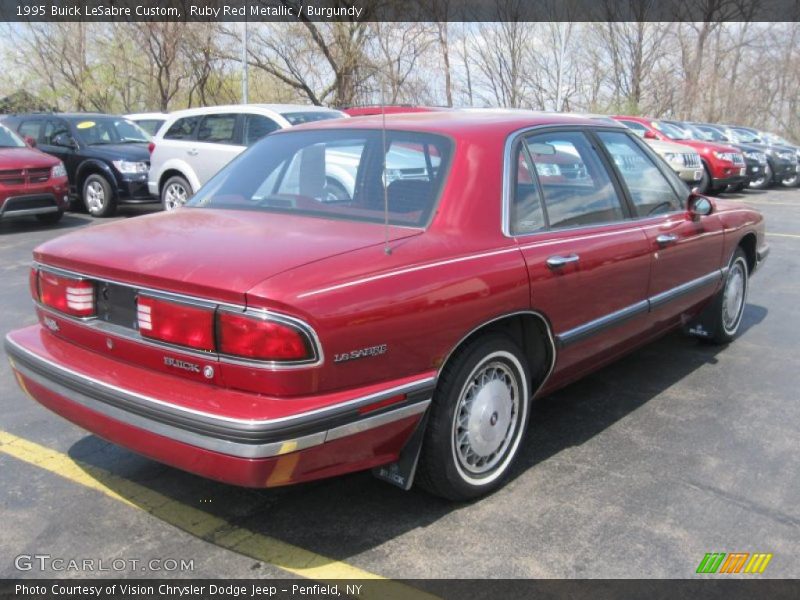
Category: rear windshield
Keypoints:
(336, 174)
(296, 118)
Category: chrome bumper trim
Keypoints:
(235, 437)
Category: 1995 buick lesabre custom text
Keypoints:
(346, 296)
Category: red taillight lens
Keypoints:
(70, 296)
(259, 339)
(176, 323)
(151, 146)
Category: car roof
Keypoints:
(147, 115)
(237, 108)
(454, 123)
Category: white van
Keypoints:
(196, 143)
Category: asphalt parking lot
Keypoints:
(635, 472)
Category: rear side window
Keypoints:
(32, 128)
(296, 118)
(336, 174)
(182, 129)
(217, 129)
(648, 188)
(256, 127)
(576, 187)
(526, 208)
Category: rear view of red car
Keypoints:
(31, 182)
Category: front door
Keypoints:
(685, 251)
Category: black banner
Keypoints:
(418, 589)
(400, 10)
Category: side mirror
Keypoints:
(64, 140)
(699, 206)
(649, 135)
(29, 141)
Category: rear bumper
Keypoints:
(329, 440)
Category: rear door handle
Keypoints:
(192, 152)
(556, 262)
(666, 238)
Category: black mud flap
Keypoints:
(702, 325)
(401, 473)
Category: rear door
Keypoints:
(685, 251)
(588, 261)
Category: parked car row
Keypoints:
(166, 158)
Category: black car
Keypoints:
(755, 160)
(783, 160)
(106, 156)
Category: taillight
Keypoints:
(151, 146)
(176, 323)
(68, 295)
(260, 339)
(33, 283)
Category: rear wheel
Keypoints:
(477, 420)
(175, 193)
(98, 196)
(50, 218)
(762, 182)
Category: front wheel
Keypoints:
(98, 196)
(790, 181)
(478, 418)
(727, 308)
(175, 193)
(762, 182)
(704, 185)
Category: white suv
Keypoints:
(196, 143)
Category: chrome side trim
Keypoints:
(613, 319)
(376, 421)
(586, 330)
(215, 444)
(72, 379)
(685, 288)
(317, 359)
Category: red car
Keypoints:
(722, 165)
(31, 182)
(390, 109)
(267, 334)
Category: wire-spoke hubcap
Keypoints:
(175, 196)
(733, 297)
(487, 417)
(95, 196)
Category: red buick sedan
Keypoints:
(272, 332)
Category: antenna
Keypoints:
(386, 249)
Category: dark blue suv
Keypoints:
(106, 156)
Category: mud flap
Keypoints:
(702, 325)
(401, 473)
